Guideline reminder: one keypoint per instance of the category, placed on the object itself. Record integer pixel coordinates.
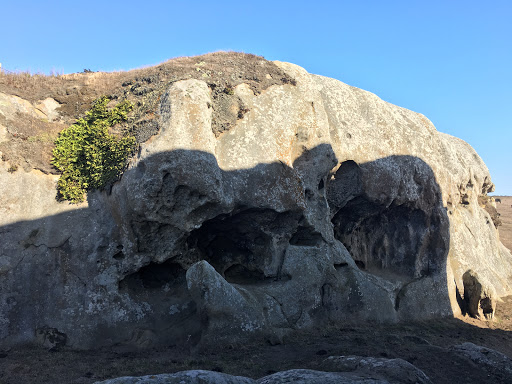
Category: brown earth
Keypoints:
(424, 344)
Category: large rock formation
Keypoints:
(318, 203)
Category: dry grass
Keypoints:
(31, 142)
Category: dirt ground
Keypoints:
(423, 344)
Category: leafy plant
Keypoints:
(88, 156)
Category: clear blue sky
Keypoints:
(450, 60)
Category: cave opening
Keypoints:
(168, 276)
(306, 236)
(243, 246)
(393, 239)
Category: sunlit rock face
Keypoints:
(322, 204)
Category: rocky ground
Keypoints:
(424, 344)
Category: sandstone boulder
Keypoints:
(318, 203)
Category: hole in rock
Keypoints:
(321, 184)
(239, 274)
(167, 276)
(172, 314)
(240, 246)
(119, 255)
(340, 266)
(306, 237)
(397, 239)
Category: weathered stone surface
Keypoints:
(394, 370)
(479, 295)
(3, 133)
(49, 107)
(298, 376)
(10, 105)
(307, 376)
(487, 358)
(322, 204)
(186, 377)
(225, 306)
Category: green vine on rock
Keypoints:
(88, 156)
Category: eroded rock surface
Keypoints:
(320, 204)
(479, 295)
(298, 376)
(486, 358)
(393, 370)
(186, 377)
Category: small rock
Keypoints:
(51, 338)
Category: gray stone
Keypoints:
(10, 105)
(307, 376)
(49, 107)
(186, 377)
(486, 358)
(479, 295)
(50, 337)
(394, 370)
(227, 311)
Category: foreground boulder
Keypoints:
(297, 376)
(487, 359)
(396, 371)
(318, 203)
(186, 377)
